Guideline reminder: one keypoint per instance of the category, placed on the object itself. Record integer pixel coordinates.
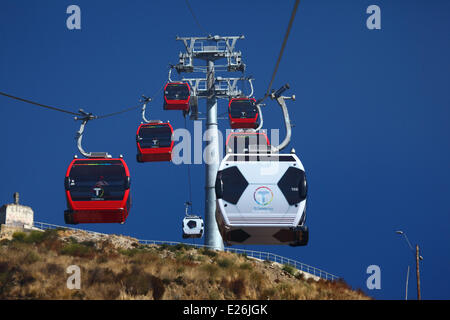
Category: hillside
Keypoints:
(33, 266)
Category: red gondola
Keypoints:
(97, 191)
(243, 113)
(177, 96)
(247, 142)
(154, 142)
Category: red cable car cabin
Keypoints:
(177, 96)
(243, 113)
(97, 191)
(154, 142)
(247, 142)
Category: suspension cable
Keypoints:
(286, 36)
(119, 112)
(70, 112)
(39, 104)
(195, 18)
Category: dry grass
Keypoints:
(34, 266)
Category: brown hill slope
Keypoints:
(33, 266)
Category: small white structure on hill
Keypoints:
(16, 215)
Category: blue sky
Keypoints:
(372, 118)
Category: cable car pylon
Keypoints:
(211, 49)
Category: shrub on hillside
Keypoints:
(211, 269)
(53, 268)
(238, 287)
(138, 282)
(12, 276)
(181, 246)
(19, 236)
(129, 252)
(35, 236)
(289, 269)
(225, 263)
(300, 276)
(78, 250)
(208, 252)
(30, 258)
(245, 266)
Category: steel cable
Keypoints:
(286, 36)
(39, 104)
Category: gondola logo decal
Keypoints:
(263, 196)
(99, 192)
(98, 188)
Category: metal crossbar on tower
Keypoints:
(212, 87)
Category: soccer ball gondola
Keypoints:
(154, 142)
(97, 191)
(192, 227)
(261, 199)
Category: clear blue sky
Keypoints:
(372, 118)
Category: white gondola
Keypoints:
(192, 224)
(261, 199)
(192, 227)
(261, 194)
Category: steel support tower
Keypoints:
(210, 49)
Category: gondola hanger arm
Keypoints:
(187, 205)
(170, 74)
(251, 86)
(144, 102)
(261, 120)
(277, 95)
(79, 136)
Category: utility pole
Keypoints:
(418, 271)
(407, 279)
(417, 257)
(210, 49)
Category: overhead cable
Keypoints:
(119, 112)
(195, 18)
(39, 104)
(67, 111)
(286, 36)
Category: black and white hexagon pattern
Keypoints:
(263, 193)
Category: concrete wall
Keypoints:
(16, 215)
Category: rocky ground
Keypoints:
(34, 265)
